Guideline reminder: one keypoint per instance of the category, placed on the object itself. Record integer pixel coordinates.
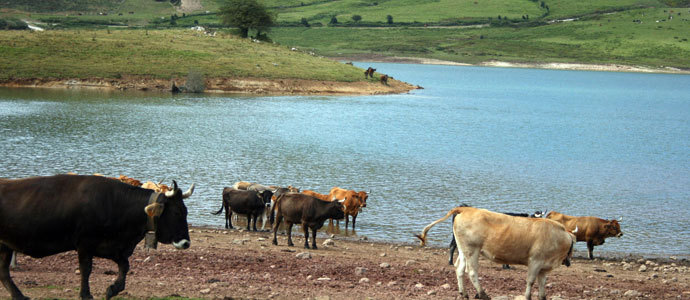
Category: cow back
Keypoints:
(42, 216)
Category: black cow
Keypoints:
(94, 215)
(306, 210)
(454, 246)
(250, 203)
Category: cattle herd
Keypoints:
(107, 217)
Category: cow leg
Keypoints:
(305, 228)
(249, 220)
(541, 280)
(473, 262)
(229, 218)
(590, 249)
(460, 265)
(289, 233)
(85, 266)
(354, 219)
(453, 246)
(347, 221)
(533, 270)
(279, 218)
(5, 258)
(313, 238)
(119, 284)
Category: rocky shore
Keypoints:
(235, 264)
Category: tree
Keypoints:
(389, 19)
(334, 20)
(356, 18)
(305, 22)
(246, 15)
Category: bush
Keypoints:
(13, 24)
(356, 18)
(195, 82)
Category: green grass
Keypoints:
(611, 38)
(156, 54)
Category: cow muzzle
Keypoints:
(620, 234)
(182, 244)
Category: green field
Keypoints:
(650, 33)
(156, 54)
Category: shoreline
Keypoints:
(504, 64)
(242, 264)
(226, 85)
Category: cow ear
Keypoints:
(154, 210)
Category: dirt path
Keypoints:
(245, 265)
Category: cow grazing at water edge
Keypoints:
(539, 244)
(353, 202)
(96, 216)
(591, 229)
(250, 203)
(305, 210)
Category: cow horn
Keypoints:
(341, 201)
(620, 219)
(575, 231)
(170, 193)
(188, 192)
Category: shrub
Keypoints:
(195, 82)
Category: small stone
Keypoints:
(385, 265)
(649, 263)
(501, 298)
(147, 259)
(410, 262)
(364, 280)
(328, 242)
(310, 277)
(360, 270)
(323, 279)
(419, 286)
(267, 276)
(77, 272)
(392, 283)
(322, 298)
(432, 292)
(382, 254)
(643, 268)
(655, 275)
(205, 291)
(632, 293)
(379, 283)
(303, 255)
(445, 286)
(261, 239)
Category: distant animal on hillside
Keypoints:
(384, 79)
(369, 73)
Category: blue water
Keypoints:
(605, 144)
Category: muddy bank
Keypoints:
(225, 85)
(553, 66)
(245, 265)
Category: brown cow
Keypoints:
(369, 73)
(384, 79)
(592, 230)
(540, 244)
(306, 210)
(353, 202)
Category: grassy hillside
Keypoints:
(611, 38)
(157, 54)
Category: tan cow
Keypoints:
(241, 185)
(158, 187)
(592, 230)
(353, 202)
(540, 244)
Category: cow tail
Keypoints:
(422, 236)
(220, 210)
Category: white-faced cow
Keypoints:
(250, 203)
(539, 244)
(305, 210)
(96, 216)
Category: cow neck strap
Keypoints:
(151, 224)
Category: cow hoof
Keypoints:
(275, 242)
(306, 246)
(291, 244)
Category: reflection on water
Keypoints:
(512, 140)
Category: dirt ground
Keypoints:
(236, 264)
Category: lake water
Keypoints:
(514, 140)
